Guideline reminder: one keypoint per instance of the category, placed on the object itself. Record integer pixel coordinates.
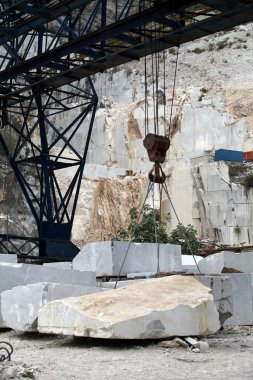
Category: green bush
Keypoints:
(173, 51)
(149, 229)
(248, 181)
(222, 44)
(236, 169)
(198, 50)
(146, 229)
(186, 236)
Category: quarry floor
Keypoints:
(57, 357)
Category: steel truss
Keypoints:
(50, 147)
(95, 35)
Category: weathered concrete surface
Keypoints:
(233, 296)
(20, 306)
(227, 262)
(156, 308)
(106, 258)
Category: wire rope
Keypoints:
(179, 222)
(173, 91)
(133, 234)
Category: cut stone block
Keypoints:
(12, 274)
(106, 258)
(233, 296)
(222, 294)
(152, 309)
(227, 262)
(62, 265)
(188, 262)
(21, 274)
(242, 296)
(20, 305)
(8, 258)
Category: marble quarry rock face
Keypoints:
(228, 262)
(156, 308)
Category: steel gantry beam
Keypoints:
(25, 16)
(102, 36)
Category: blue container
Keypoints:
(228, 155)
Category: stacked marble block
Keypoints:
(230, 276)
(25, 287)
(119, 258)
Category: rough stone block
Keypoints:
(227, 261)
(242, 296)
(8, 258)
(233, 296)
(106, 258)
(20, 305)
(22, 274)
(221, 287)
(156, 308)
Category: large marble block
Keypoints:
(20, 305)
(12, 274)
(107, 258)
(227, 261)
(221, 287)
(21, 274)
(153, 309)
(233, 296)
(242, 296)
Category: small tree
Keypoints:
(146, 229)
(186, 237)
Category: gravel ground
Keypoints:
(56, 357)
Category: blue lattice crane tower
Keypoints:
(49, 50)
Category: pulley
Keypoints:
(157, 147)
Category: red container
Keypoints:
(248, 156)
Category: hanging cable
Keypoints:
(179, 222)
(153, 93)
(146, 98)
(159, 227)
(164, 87)
(133, 234)
(173, 92)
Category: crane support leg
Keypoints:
(51, 149)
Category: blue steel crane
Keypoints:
(49, 50)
